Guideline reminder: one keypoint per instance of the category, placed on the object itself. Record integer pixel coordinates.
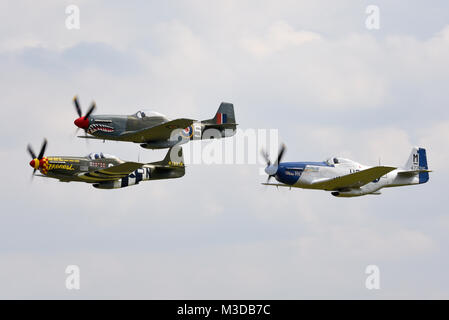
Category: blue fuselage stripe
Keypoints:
(290, 172)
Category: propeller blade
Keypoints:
(32, 175)
(74, 133)
(77, 106)
(31, 152)
(268, 179)
(281, 154)
(91, 109)
(44, 146)
(265, 156)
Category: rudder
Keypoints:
(422, 158)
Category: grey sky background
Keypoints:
(310, 69)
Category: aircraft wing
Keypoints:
(112, 173)
(276, 184)
(90, 137)
(353, 180)
(159, 132)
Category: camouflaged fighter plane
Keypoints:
(105, 171)
(347, 178)
(153, 130)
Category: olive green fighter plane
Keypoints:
(106, 171)
(153, 130)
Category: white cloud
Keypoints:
(279, 37)
(436, 138)
(217, 231)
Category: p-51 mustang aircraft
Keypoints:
(152, 129)
(347, 178)
(106, 171)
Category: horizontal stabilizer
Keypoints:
(224, 125)
(412, 172)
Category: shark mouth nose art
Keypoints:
(100, 127)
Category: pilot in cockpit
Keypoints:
(332, 161)
(96, 156)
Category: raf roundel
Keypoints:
(187, 132)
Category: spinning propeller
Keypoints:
(83, 121)
(37, 162)
(272, 169)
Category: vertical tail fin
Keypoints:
(413, 160)
(174, 157)
(418, 162)
(172, 166)
(225, 114)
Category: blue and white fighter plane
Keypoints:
(344, 177)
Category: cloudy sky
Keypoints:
(308, 68)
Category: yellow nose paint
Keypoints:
(36, 164)
(44, 168)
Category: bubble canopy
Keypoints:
(101, 155)
(331, 161)
(337, 160)
(148, 113)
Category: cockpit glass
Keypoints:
(100, 155)
(332, 161)
(95, 155)
(148, 113)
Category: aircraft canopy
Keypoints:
(100, 155)
(149, 113)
